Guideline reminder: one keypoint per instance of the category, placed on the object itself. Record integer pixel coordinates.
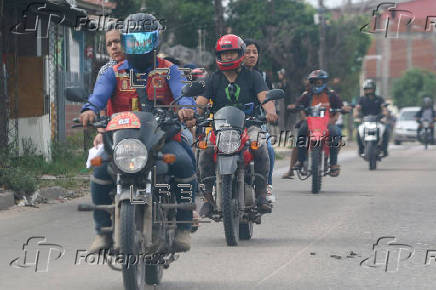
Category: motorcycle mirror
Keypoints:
(193, 89)
(275, 94)
(76, 94)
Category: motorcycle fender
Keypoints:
(227, 164)
(124, 195)
(361, 130)
(370, 138)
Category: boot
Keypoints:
(182, 241)
(101, 241)
(208, 206)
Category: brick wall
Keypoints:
(71, 111)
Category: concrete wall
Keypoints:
(38, 130)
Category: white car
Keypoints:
(406, 125)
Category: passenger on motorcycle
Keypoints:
(235, 85)
(320, 94)
(251, 61)
(371, 104)
(113, 89)
(426, 114)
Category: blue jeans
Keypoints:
(272, 157)
(182, 168)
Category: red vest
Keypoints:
(126, 98)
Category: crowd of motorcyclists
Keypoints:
(237, 81)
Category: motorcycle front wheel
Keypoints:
(371, 152)
(316, 169)
(135, 274)
(230, 208)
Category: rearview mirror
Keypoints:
(275, 94)
(193, 89)
(76, 94)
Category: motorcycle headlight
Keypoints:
(370, 125)
(228, 141)
(130, 155)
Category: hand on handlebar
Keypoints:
(272, 117)
(87, 117)
(187, 116)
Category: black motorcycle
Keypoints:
(235, 202)
(144, 205)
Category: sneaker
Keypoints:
(269, 196)
(182, 241)
(288, 175)
(101, 241)
(263, 205)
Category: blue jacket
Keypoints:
(106, 84)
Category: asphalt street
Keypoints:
(365, 230)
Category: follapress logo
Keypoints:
(388, 255)
(38, 254)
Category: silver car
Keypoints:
(406, 125)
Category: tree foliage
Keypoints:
(410, 89)
(346, 47)
(284, 29)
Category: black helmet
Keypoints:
(428, 101)
(369, 84)
(140, 40)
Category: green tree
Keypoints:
(346, 47)
(285, 31)
(410, 89)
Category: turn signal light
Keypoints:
(169, 158)
(202, 144)
(96, 161)
(254, 145)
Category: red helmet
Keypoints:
(198, 73)
(229, 42)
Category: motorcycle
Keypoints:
(371, 132)
(317, 163)
(234, 194)
(425, 135)
(144, 207)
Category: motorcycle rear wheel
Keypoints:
(246, 230)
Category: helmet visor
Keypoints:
(140, 42)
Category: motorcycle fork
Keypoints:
(218, 197)
(240, 188)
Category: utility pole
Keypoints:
(321, 52)
(219, 18)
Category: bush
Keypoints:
(19, 173)
(410, 89)
(18, 180)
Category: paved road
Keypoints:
(309, 242)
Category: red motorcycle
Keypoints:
(317, 142)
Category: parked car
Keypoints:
(406, 125)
